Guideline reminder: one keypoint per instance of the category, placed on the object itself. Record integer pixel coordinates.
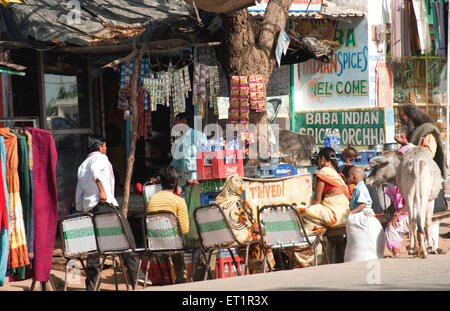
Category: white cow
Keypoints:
(418, 179)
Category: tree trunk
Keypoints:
(246, 53)
(135, 128)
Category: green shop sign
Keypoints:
(357, 127)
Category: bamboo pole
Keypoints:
(135, 128)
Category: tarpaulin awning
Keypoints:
(82, 23)
(6, 2)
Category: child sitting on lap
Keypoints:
(365, 235)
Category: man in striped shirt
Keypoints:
(167, 200)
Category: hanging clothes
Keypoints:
(399, 37)
(441, 26)
(30, 231)
(45, 200)
(24, 179)
(18, 253)
(412, 30)
(432, 8)
(4, 233)
(4, 215)
(422, 25)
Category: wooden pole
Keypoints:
(135, 128)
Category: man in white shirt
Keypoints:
(95, 193)
(95, 178)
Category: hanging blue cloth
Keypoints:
(4, 235)
(442, 29)
(432, 8)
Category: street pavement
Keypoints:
(404, 273)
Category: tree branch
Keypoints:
(135, 128)
(277, 13)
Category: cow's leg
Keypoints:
(431, 246)
(422, 250)
(413, 245)
(411, 241)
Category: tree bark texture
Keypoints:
(247, 51)
(134, 129)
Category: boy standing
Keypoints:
(365, 235)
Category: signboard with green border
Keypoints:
(357, 127)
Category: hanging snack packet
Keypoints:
(252, 79)
(244, 102)
(244, 91)
(233, 115)
(243, 80)
(234, 102)
(244, 115)
(261, 104)
(235, 91)
(253, 103)
(235, 80)
(253, 94)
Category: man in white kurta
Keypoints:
(95, 181)
(95, 193)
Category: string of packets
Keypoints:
(206, 88)
(159, 86)
(247, 93)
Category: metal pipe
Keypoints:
(292, 97)
(447, 143)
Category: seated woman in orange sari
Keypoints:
(329, 203)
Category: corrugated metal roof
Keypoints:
(329, 10)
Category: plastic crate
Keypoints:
(225, 267)
(154, 274)
(207, 198)
(219, 164)
(205, 165)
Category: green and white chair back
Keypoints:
(282, 227)
(148, 190)
(110, 233)
(212, 227)
(163, 232)
(78, 235)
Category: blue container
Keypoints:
(207, 198)
(277, 170)
(224, 253)
(285, 170)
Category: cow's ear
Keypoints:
(379, 160)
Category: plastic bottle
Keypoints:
(336, 144)
(327, 138)
(226, 270)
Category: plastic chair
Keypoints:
(282, 226)
(78, 239)
(215, 233)
(113, 241)
(162, 236)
